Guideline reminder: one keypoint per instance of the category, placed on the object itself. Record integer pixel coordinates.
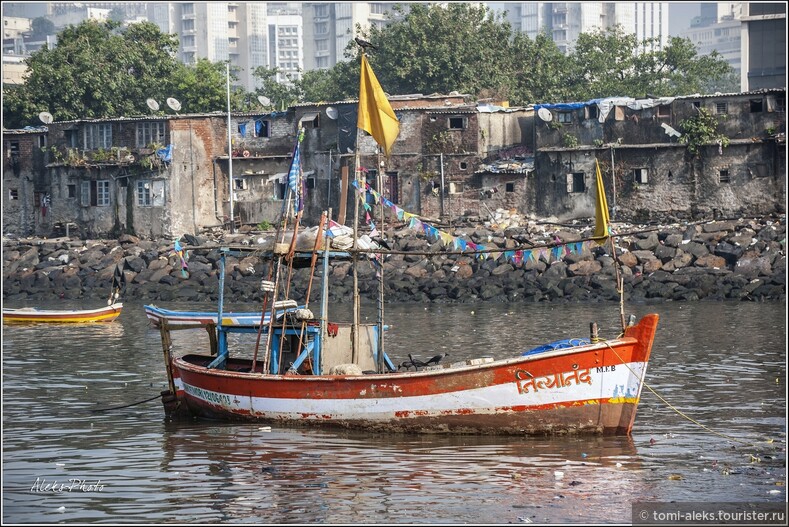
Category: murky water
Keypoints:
(721, 364)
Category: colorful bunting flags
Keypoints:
(518, 257)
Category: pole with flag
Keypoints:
(602, 233)
(376, 117)
(375, 113)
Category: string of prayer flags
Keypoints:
(517, 257)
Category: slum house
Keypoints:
(26, 195)
(150, 176)
(440, 135)
(656, 174)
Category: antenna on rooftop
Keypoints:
(265, 101)
(152, 104)
(331, 112)
(174, 104)
(545, 114)
(45, 117)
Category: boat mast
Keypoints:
(355, 257)
(380, 184)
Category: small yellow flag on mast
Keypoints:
(601, 227)
(375, 113)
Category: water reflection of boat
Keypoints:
(319, 476)
(316, 372)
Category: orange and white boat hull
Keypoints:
(585, 389)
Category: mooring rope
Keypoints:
(125, 405)
(677, 410)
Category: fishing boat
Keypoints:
(312, 370)
(61, 316)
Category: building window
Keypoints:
(42, 141)
(721, 108)
(664, 110)
(71, 191)
(780, 104)
(144, 193)
(321, 28)
(696, 104)
(640, 175)
(463, 165)
(262, 128)
(98, 136)
(756, 105)
(723, 176)
(188, 24)
(564, 117)
(509, 187)
(13, 194)
(321, 10)
(576, 182)
(591, 112)
(457, 123)
(13, 149)
(455, 187)
(310, 120)
(240, 183)
(150, 133)
(95, 193)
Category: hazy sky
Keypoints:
(680, 15)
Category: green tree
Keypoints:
(42, 27)
(612, 62)
(95, 71)
(202, 87)
(279, 93)
(541, 71)
(441, 48)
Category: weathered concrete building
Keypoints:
(163, 175)
(649, 170)
(25, 186)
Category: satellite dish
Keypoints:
(45, 117)
(152, 104)
(545, 114)
(265, 101)
(332, 113)
(173, 104)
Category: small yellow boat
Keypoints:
(30, 314)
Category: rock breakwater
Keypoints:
(738, 259)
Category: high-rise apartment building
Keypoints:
(718, 28)
(286, 50)
(565, 21)
(218, 31)
(763, 46)
(329, 27)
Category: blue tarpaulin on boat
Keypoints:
(559, 344)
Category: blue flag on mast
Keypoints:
(294, 175)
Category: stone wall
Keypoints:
(742, 259)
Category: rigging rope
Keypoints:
(677, 410)
(125, 405)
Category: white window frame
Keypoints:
(150, 132)
(144, 193)
(102, 193)
(97, 136)
(640, 175)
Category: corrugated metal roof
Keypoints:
(26, 130)
(744, 94)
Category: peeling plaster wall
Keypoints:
(24, 177)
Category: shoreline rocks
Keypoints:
(739, 259)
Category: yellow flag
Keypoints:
(601, 218)
(375, 113)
